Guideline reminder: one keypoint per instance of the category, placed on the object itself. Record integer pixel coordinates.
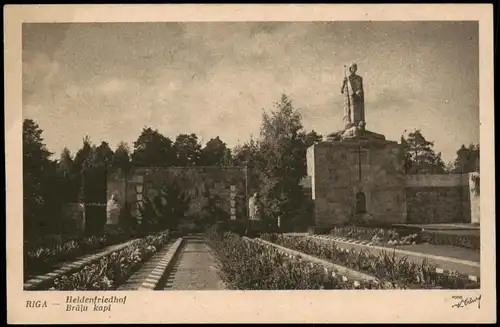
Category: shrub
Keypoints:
(465, 241)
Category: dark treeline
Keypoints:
(276, 160)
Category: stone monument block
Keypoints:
(356, 178)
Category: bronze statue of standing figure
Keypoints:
(354, 101)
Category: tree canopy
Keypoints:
(419, 155)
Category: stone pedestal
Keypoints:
(357, 178)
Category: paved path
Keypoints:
(194, 268)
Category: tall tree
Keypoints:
(102, 155)
(153, 149)
(36, 167)
(283, 147)
(69, 182)
(65, 162)
(121, 157)
(121, 160)
(248, 155)
(215, 153)
(188, 150)
(81, 165)
(420, 155)
(467, 159)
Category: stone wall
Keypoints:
(433, 199)
(224, 183)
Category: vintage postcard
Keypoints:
(249, 163)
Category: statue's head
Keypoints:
(353, 68)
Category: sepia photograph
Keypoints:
(268, 155)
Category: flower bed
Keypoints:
(115, 268)
(250, 265)
(376, 235)
(399, 272)
(41, 259)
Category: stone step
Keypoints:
(135, 281)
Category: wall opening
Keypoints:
(360, 203)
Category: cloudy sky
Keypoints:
(110, 80)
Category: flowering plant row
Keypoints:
(388, 268)
(41, 259)
(375, 235)
(114, 269)
(246, 264)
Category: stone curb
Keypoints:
(341, 270)
(42, 280)
(151, 282)
(445, 272)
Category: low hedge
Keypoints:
(466, 241)
(399, 272)
(114, 269)
(248, 265)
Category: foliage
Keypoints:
(187, 149)
(249, 265)
(467, 159)
(283, 144)
(212, 211)
(215, 153)
(401, 273)
(166, 209)
(114, 269)
(121, 157)
(419, 155)
(41, 183)
(153, 149)
(249, 155)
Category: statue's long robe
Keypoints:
(354, 100)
